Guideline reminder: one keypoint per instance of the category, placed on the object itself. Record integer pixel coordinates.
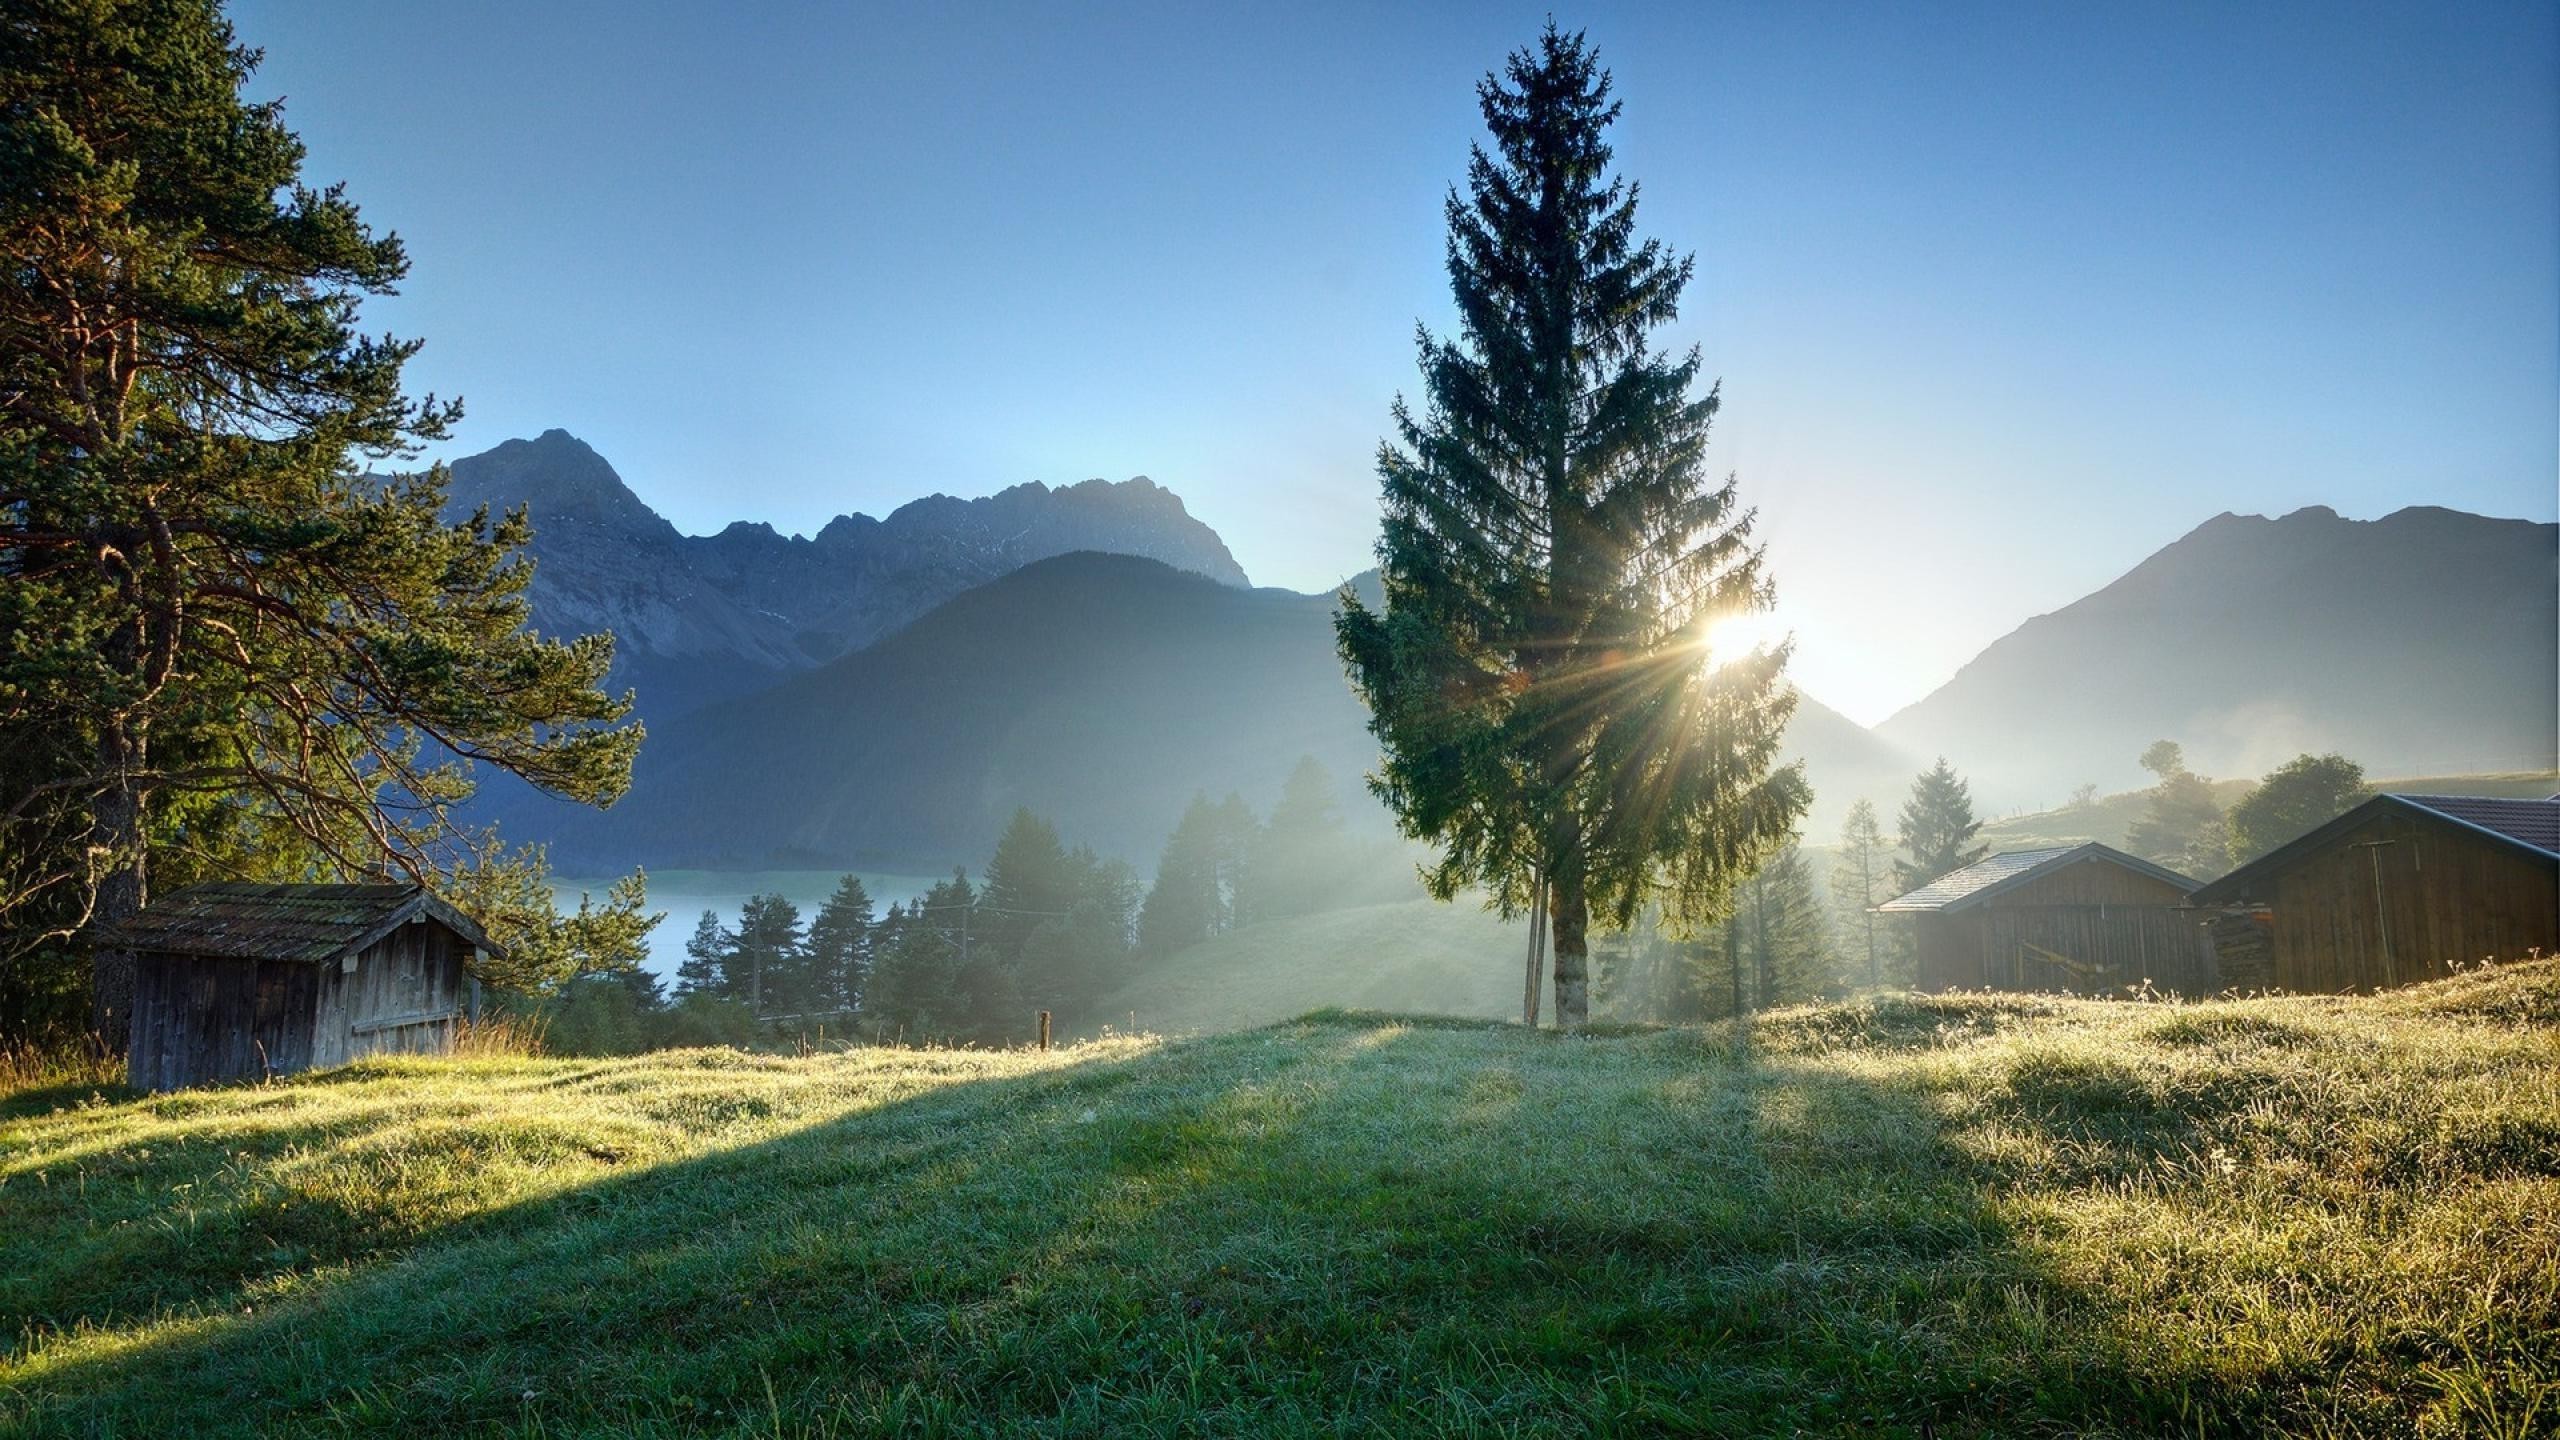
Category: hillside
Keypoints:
(2418, 643)
(1412, 955)
(1960, 1216)
(701, 618)
(2107, 819)
(1099, 690)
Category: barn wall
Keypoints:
(2089, 928)
(201, 1019)
(1947, 950)
(404, 996)
(2401, 899)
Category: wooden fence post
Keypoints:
(1044, 1029)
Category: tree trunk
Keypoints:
(123, 888)
(1733, 957)
(1569, 916)
(1537, 955)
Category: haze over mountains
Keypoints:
(884, 694)
(2422, 643)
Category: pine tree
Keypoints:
(2296, 797)
(840, 947)
(1937, 828)
(704, 970)
(223, 646)
(1862, 877)
(1200, 877)
(768, 966)
(2180, 827)
(917, 980)
(1786, 938)
(1028, 880)
(1298, 861)
(1554, 556)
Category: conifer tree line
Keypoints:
(1045, 926)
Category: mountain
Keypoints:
(1100, 690)
(2426, 642)
(698, 618)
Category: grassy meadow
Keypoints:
(1405, 955)
(1948, 1216)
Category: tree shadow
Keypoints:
(1346, 1225)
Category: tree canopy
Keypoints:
(2303, 792)
(1938, 827)
(1555, 556)
(2180, 826)
(225, 646)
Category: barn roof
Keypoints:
(310, 923)
(1983, 879)
(2529, 827)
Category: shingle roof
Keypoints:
(2529, 826)
(309, 923)
(1984, 878)
(2527, 822)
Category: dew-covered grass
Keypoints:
(1967, 1215)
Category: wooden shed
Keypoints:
(2080, 919)
(2403, 888)
(240, 981)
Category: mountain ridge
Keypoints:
(697, 617)
(2249, 639)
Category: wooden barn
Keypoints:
(241, 981)
(2402, 888)
(2080, 919)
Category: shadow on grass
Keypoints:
(1348, 1224)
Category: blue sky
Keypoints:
(2003, 297)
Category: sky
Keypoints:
(2002, 298)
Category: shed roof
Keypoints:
(309, 923)
(2528, 827)
(1983, 879)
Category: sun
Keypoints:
(1736, 636)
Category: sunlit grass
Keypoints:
(1991, 1215)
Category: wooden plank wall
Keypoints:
(198, 1020)
(403, 997)
(203, 1019)
(2401, 899)
(2090, 928)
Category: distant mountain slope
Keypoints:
(1846, 762)
(2423, 642)
(1100, 690)
(700, 618)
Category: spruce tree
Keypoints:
(1029, 879)
(1299, 863)
(768, 966)
(224, 647)
(704, 970)
(840, 946)
(1938, 827)
(1200, 877)
(1862, 877)
(1787, 939)
(916, 986)
(1555, 555)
